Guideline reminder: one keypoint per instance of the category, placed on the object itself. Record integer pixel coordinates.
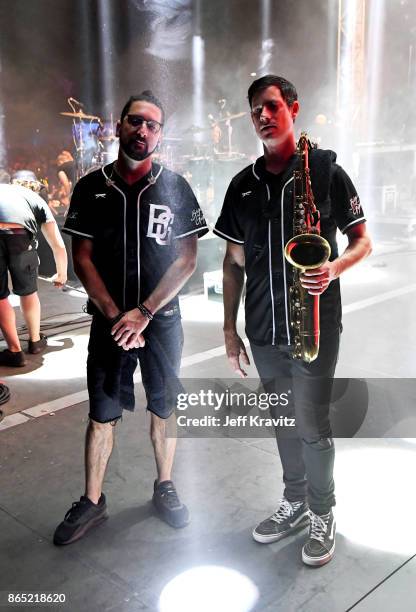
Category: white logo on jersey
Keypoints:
(160, 220)
(73, 215)
(100, 195)
(355, 205)
(197, 217)
(245, 193)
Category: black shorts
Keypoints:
(18, 256)
(110, 368)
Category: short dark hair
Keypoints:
(146, 96)
(4, 176)
(287, 89)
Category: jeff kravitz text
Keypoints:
(237, 421)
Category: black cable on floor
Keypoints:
(80, 321)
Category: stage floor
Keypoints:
(229, 484)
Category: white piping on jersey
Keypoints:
(138, 230)
(197, 229)
(254, 172)
(283, 257)
(112, 184)
(216, 231)
(270, 262)
(71, 231)
(360, 220)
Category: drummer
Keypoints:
(66, 172)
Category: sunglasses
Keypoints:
(137, 121)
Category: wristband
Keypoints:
(145, 311)
(116, 319)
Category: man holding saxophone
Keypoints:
(258, 219)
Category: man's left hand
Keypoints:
(317, 281)
(128, 331)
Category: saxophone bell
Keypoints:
(307, 251)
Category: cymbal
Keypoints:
(80, 115)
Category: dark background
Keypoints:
(50, 50)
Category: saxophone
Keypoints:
(305, 251)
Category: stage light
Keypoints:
(198, 68)
(208, 588)
(170, 26)
(375, 46)
(198, 80)
(267, 44)
(346, 94)
(373, 483)
(106, 42)
(360, 50)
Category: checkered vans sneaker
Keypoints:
(288, 518)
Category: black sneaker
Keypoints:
(168, 504)
(80, 518)
(288, 518)
(320, 547)
(37, 346)
(12, 360)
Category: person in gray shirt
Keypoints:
(22, 214)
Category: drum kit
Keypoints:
(204, 155)
(95, 142)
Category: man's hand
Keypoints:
(317, 281)
(235, 350)
(59, 280)
(128, 331)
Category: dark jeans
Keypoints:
(307, 453)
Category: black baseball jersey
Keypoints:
(133, 227)
(258, 214)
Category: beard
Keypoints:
(131, 151)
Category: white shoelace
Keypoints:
(319, 526)
(285, 510)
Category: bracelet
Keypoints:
(145, 311)
(116, 319)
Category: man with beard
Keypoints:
(134, 227)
